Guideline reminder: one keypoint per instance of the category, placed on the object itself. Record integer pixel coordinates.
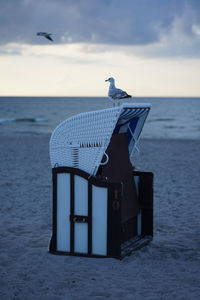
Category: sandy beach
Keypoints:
(168, 268)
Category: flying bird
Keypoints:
(115, 93)
(46, 35)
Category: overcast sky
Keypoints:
(146, 45)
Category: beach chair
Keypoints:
(102, 207)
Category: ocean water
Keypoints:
(175, 118)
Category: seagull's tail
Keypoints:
(127, 96)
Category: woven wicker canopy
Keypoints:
(81, 140)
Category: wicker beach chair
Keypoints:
(81, 141)
(102, 206)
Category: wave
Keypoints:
(23, 120)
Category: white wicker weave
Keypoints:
(82, 140)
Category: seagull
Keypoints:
(46, 35)
(115, 93)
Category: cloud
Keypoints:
(158, 26)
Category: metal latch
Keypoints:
(78, 219)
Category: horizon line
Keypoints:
(48, 96)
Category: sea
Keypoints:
(169, 118)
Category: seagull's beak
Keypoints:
(107, 80)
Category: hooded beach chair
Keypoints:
(101, 205)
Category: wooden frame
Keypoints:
(115, 246)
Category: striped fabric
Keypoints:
(131, 121)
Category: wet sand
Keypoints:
(168, 268)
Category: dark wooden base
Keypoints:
(134, 244)
(122, 237)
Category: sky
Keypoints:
(150, 47)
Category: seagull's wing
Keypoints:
(48, 37)
(118, 94)
(41, 33)
(125, 95)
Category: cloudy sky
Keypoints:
(151, 47)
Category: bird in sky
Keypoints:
(46, 35)
(115, 93)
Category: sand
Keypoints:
(168, 268)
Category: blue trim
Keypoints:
(129, 113)
(129, 136)
(128, 122)
(133, 124)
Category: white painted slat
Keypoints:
(81, 209)
(81, 237)
(99, 220)
(63, 212)
(80, 196)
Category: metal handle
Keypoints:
(107, 159)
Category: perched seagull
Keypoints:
(46, 35)
(115, 93)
